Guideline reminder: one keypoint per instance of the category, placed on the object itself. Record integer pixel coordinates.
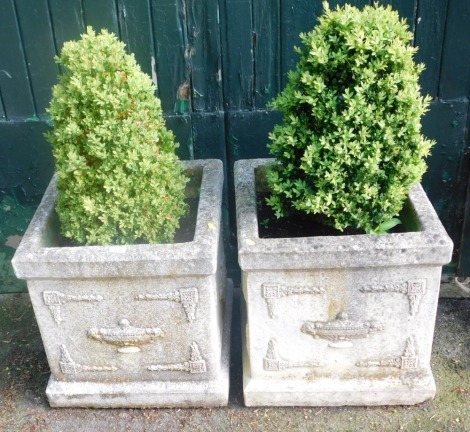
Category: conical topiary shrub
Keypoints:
(350, 146)
(119, 179)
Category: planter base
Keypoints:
(182, 394)
(327, 392)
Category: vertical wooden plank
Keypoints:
(25, 157)
(169, 31)
(406, 9)
(358, 3)
(14, 80)
(247, 133)
(39, 47)
(67, 20)
(463, 265)
(297, 16)
(209, 136)
(237, 49)
(204, 53)
(2, 107)
(267, 65)
(136, 31)
(429, 37)
(101, 14)
(180, 125)
(447, 175)
(464, 250)
(455, 68)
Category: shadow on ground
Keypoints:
(24, 374)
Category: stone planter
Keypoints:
(133, 326)
(345, 320)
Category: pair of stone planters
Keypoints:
(345, 320)
(138, 325)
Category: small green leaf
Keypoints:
(386, 226)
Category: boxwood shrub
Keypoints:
(119, 179)
(350, 145)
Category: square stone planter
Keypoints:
(133, 326)
(345, 320)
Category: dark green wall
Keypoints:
(217, 64)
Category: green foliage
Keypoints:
(386, 226)
(350, 146)
(119, 179)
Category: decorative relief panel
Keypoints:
(341, 330)
(54, 299)
(272, 362)
(414, 290)
(68, 366)
(272, 293)
(128, 339)
(196, 363)
(188, 297)
(409, 359)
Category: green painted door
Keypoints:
(217, 64)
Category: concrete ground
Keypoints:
(24, 374)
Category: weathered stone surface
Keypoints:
(188, 392)
(345, 320)
(136, 325)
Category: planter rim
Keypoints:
(33, 260)
(429, 246)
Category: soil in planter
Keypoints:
(185, 233)
(298, 224)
